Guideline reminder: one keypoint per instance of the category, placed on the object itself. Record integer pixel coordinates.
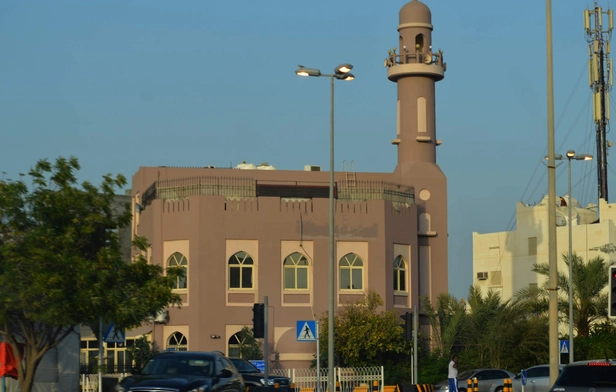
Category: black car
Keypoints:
(254, 377)
(185, 371)
(584, 376)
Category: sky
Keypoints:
(122, 84)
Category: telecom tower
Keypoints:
(600, 78)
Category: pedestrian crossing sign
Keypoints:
(114, 334)
(564, 347)
(306, 330)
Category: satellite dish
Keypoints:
(428, 58)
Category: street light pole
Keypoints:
(581, 157)
(570, 154)
(341, 72)
(330, 325)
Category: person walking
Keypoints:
(453, 374)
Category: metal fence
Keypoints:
(246, 188)
(359, 190)
(89, 382)
(349, 378)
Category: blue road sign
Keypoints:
(563, 346)
(306, 330)
(524, 377)
(114, 335)
(259, 365)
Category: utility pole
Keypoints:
(552, 249)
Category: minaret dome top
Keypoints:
(415, 12)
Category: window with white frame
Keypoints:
(400, 274)
(295, 272)
(177, 342)
(179, 260)
(351, 272)
(241, 271)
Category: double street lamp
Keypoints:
(571, 155)
(342, 72)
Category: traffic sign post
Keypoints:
(308, 331)
(563, 348)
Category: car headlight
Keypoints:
(269, 381)
(119, 388)
(200, 389)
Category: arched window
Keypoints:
(235, 346)
(240, 271)
(419, 43)
(399, 274)
(177, 342)
(351, 272)
(295, 272)
(179, 260)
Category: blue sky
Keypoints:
(123, 84)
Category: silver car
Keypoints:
(487, 380)
(596, 375)
(537, 379)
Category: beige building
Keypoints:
(250, 231)
(503, 261)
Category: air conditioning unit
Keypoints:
(162, 317)
(312, 168)
(482, 275)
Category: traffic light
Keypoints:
(258, 320)
(408, 325)
(611, 308)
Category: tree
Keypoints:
(365, 336)
(249, 347)
(484, 332)
(447, 322)
(141, 352)
(590, 302)
(61, 264)
(502, 334)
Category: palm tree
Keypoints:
(446, 321)
(589, 302)
(503, 334)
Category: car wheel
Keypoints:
(461, 389)
(499, 389)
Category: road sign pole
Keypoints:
(100, 354)
(316, 334)
(266, 340)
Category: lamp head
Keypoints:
(303, 71)
(344, 68)
(346, 76)
(584, 157)
(570, 154)
(557, 157)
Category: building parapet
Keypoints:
(248, 188)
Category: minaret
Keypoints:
(416, 67)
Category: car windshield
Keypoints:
(243, 366)
(179, 366)
(588, 376)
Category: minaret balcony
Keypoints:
(435, 71)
